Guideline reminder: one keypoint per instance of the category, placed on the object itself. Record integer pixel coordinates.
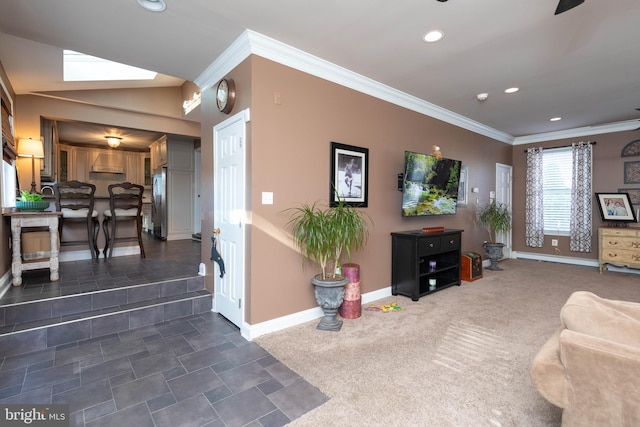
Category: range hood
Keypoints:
(108, 163)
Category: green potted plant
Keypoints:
(496, 218)
(31, 202)
(323, 235)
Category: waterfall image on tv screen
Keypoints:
(430, 185)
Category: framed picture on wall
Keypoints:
(349, 175)
(634, 194)
(615, 207)
(632, 172)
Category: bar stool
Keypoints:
(125, 204)
(75, 199)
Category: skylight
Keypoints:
(79, 67)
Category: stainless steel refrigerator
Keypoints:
(159, 203)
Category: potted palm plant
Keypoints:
(496, 218)
(323, 236)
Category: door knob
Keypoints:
(216, 231)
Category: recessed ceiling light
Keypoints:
(511, 90)
(555, 119)
(153, 5)
(433, 36)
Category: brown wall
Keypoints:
(608, 177)
(210, 117)
(288, 155)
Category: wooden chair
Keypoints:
(125, 204)
(75, 200)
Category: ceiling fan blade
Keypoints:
(565, 5)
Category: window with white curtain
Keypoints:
(557, 170)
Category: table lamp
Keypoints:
(31, 148)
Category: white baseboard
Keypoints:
(251, 332)
(574, 261)
(555, 258)
(179, 236)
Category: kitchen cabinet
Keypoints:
(180, 204)
(80, 165)
(63, 163)
(147, 169)
(159, 153)
(180, 189)
(49, 134)
(135, 168)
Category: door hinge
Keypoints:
(240, 303)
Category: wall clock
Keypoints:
(226, 95)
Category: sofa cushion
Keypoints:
(547, 372)
(617, 321)
(602, 381)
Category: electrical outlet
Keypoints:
(554, 242)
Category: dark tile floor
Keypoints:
(164, 260)
(195, 371)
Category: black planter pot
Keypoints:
(494, 252)
(329, 296)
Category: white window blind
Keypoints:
(557, 168)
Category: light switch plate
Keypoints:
(267, 198)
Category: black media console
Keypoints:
(423, 263)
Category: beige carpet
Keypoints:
(459, 357)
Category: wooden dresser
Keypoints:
(619, 246)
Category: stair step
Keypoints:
(36, 325)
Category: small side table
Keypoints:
(33, 219)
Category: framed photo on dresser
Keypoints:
(615, 207)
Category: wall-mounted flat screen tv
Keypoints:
(430, 186)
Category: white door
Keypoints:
(503, 195)
(229, 149)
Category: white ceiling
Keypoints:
(582, 65)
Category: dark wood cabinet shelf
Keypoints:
(423, 263)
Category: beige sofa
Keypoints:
(590, 367)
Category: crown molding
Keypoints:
(250, 42)
(578, 132)
(237, 52)
(253, 43)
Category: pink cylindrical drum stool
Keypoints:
(351, 307)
